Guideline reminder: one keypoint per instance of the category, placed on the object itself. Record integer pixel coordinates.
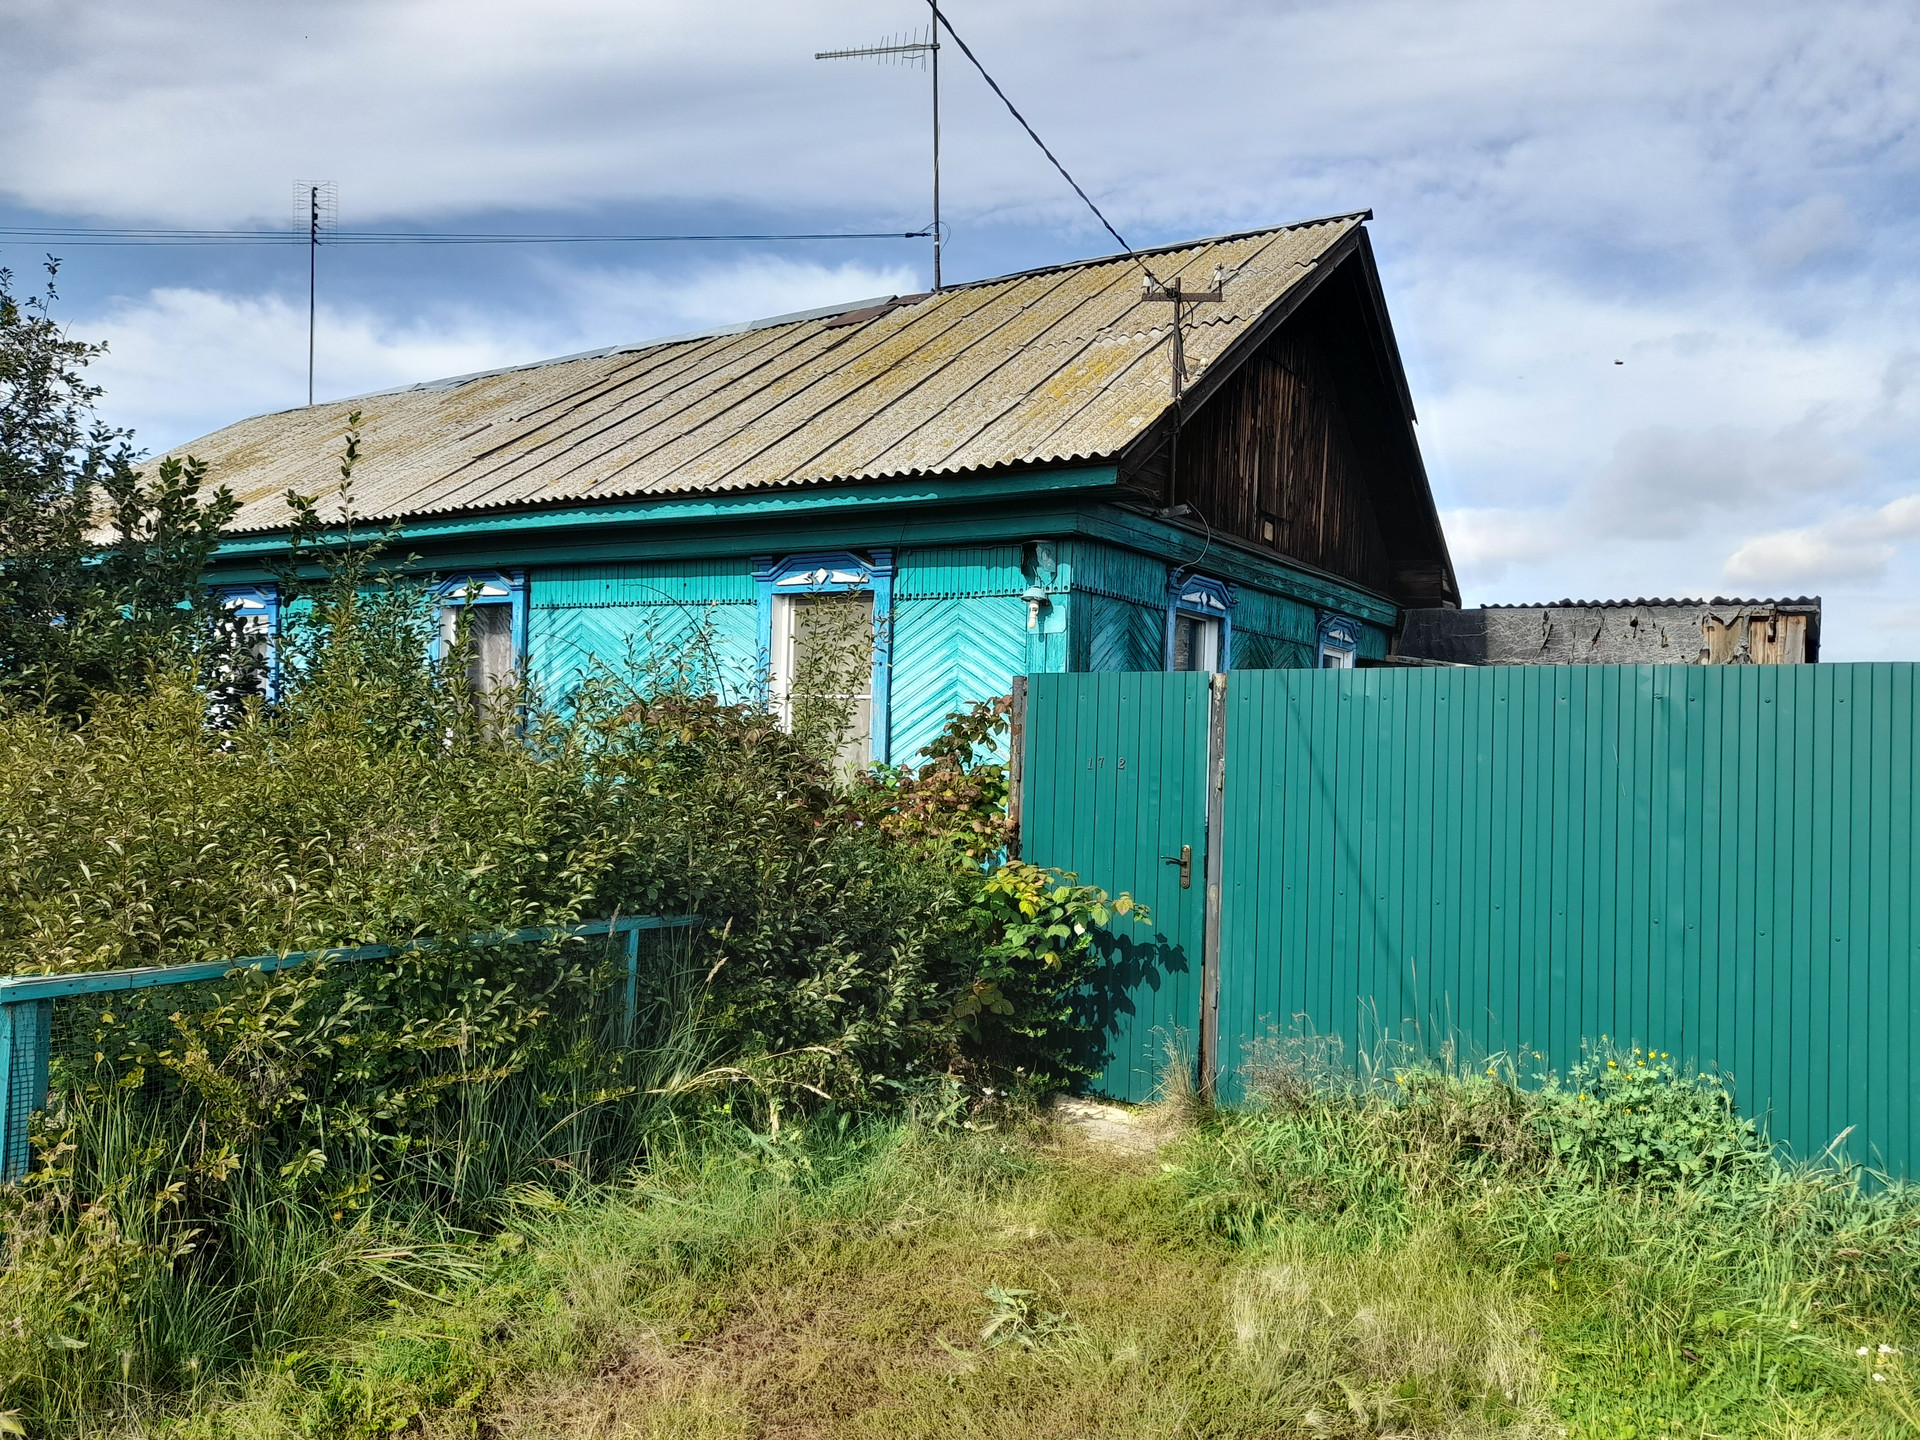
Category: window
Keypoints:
(493, 607)
(254, 612)
(828, 638)
(1196, 643)
(1339, 642)
(1199, 623)
(828, 612)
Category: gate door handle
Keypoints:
(1185, 861)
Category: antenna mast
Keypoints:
(905, 50)
(316, 209)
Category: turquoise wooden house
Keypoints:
(1067, 469)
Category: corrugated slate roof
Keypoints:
(1056, 365)
(1797, 600)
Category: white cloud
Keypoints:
(1486, 543)
(642, 303)
(1848, 549)
(182, 362)
(1818, 224)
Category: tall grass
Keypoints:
(146, 1258)
(1743, 1296)
(1339, 1258)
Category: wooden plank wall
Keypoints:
(1271, 459)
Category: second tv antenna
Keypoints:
(923, 49)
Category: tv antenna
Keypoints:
(922, 48)
(316, 213)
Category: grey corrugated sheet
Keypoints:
(1803, 600)
(1051, 366)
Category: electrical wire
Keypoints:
(1034, 135)
(83, 235)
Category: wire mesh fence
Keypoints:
(160, 1032)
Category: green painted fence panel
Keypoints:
(1116, 780)
(1713, 862)
(1716, 862)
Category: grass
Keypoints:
(1326, 1263)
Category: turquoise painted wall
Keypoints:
(959, 628)
(695, 618)
(960, 635)
(960, 632)
(1120, 609)
(1120, 613)
(1271, 632)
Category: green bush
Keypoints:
(231, 1166)
(1636, 1116)
(1683, 1279)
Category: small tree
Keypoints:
(100, 567)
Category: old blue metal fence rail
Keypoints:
(1717, 862)
(27, 1005)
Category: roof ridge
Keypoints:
(824, 312)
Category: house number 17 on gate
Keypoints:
(1099, 762)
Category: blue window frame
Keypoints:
(497, 629)
(1339, 643)
(782, 581)
(1199, 623)
(257, 607)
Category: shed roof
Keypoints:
(1797, 602)
(1056, 365)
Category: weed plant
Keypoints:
(1340, 1257)
(1337, 1258)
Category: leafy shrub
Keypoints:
(958, 797)
(1636, 1117)
(1032, 932)
(210, 1145)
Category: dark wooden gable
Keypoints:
(1271, 458)
(1304, 446)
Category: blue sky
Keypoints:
(1720, 196)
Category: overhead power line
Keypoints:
(1034, 135)
(89, 235)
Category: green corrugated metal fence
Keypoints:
(1715, 862)
(1121, 762)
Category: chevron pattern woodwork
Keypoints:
(1270, 652)
(710, 646)
(947, 654)
(1123, 636)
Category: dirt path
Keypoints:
(1101, 1125)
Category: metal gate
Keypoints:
(1115, 784)
(1718, 862)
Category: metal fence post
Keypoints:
(633, 983)
(1016, 764)
(25, 1044)
(1215, 872)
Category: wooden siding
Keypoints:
(948, 653)
(1271, 459)
(684, 619)
(1273, 633)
